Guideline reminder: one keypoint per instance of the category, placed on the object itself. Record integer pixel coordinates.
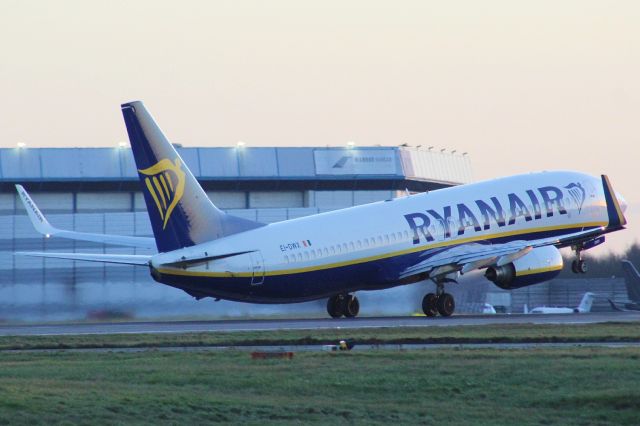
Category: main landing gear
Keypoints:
(343, 304)
(579, 265)
(439, 303)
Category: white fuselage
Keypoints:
(518, 207)
(583, 307)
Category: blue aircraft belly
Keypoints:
(297, 287)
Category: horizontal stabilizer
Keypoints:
(184, 261)
(43, 226)
(124, 259)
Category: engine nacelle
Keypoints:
(539, 265)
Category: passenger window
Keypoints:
(379, 240)
(351, 246)
(333, 250)
(286, 258)
(306, 255)
(386, 239)
(326, 251)
(299, 257)
(359, 244)
(373, 242)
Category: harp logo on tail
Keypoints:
(165, 182)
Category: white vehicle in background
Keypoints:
(488, 308)
(583, 307)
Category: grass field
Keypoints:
(608, 332)
(581, 386)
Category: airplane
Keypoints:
(632, 282)
(510, 227)
(583, 307)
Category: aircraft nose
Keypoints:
(622, 202)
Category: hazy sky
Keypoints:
(521, 86)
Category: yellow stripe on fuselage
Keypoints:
(538, 271)
(227, 274)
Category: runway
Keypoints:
(308, 324)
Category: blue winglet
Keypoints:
(616, 217)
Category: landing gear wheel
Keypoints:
(446, 304)
(351, 306)
(335, 306)
(430, 305)
(579, 266)
(582, 267)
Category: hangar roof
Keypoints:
(242, 168)
(116, 164)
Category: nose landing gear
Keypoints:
(579, 265)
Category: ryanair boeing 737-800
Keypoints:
(510, 227)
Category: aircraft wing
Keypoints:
(467, 257)
(43, 226)
(123, 259)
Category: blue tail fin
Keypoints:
(181, 213)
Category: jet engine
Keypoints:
(539, 265)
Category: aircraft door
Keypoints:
(257, 268)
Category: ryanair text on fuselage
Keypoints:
(543, 200)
